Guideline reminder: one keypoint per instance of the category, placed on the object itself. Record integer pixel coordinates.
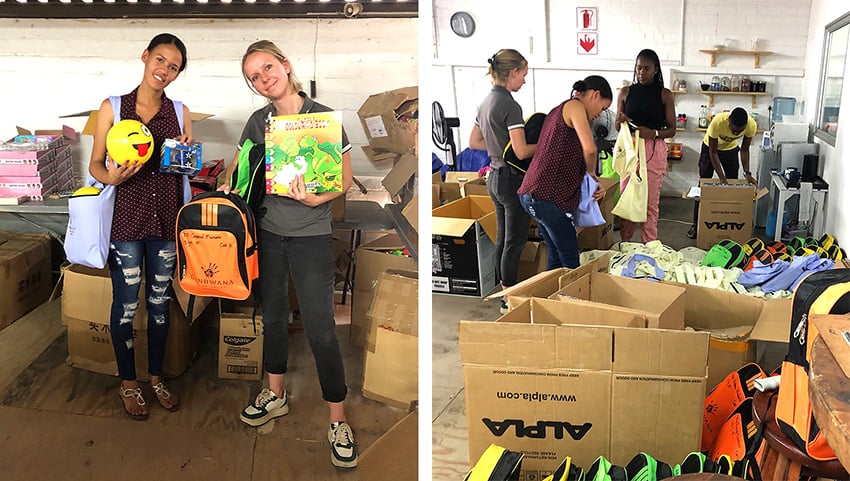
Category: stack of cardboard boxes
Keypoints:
(25, 277)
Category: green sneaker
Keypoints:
(644, 467)
(695, 462)
(603, 470)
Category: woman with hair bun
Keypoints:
(565, 152)
(498, 122)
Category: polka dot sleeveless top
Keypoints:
(558, 167)
(146, 204)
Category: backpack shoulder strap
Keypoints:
(115, 100)
(178, 109)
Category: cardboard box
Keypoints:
(601, 236)
(240, 341)
(401, 173)
(411, 212)
(394, 456)
(475, 187)
(720, 312)
(463, 252)
(86, 303)
(726, 211)
(586, 390)
(546, 283)
(663, 304)
(391, 360)
(390, 120)
(25, 280)
(532, 260)
(371, 260)
(444, 191)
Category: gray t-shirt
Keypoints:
(285, 216)
(498, 114)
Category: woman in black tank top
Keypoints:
(648, 106)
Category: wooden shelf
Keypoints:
(712, 93)
(755, 53)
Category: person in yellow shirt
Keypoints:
(720, 151)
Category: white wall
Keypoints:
(833, 158)
(50, 68)
(675, 29)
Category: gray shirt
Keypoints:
(285, 216)
(498, 114)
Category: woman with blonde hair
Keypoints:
(295, 239)
(498, 122)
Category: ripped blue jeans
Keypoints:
(125, 268)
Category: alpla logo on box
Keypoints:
(238, 340)
(725, 225)
(539, 430)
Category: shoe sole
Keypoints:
(275, 413)
(339, 463)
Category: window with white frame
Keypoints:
(832, 77)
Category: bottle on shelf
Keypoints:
(703, 117)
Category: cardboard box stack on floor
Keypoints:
(552, 381)
(240, 340)
(391, 360)
(33, 166)
(25, 279)
(86, 304)
(371, 260)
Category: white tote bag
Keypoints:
(90, 226)
(633, 199)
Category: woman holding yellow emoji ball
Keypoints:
(146, 205)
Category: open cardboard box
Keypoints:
(549, 382)
(662, 304)
(390, 120)
(546, 283)
(462, 234)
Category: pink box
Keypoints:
(19, 155)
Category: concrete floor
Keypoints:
(450, 455)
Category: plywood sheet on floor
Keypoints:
(26, 338)
(55, 445)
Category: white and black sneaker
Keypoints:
(343, 449)
(265, 407)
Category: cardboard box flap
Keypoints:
(462, 213)
(91, 122)
(539, 346)
(401, 100)
(774, 322)
(395, 305)
(547, 283)
(450, 226)
(586, 313)
(401, 172)
(389, 242)
(708, 309)
(461, 177)
(394, 455)
(663, 352)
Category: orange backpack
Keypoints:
(217, 247)
(824, 292)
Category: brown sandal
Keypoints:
(136, 394)
(162, 393)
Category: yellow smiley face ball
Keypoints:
(129, 140)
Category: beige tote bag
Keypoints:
(633, 199)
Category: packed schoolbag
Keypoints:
(217, 247)
(823, 292)
(249, 177)
(533, 126)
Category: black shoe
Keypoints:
(692, 232)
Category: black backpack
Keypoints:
(249, 177)
(533, 126)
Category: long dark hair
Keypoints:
(649, 54)
(594, 82)
(169, 39)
